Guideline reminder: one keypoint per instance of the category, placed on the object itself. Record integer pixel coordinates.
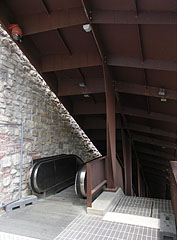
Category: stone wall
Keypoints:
(48, 127)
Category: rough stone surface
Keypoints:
(48, 127)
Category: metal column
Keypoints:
(113, 168)
(127, 155)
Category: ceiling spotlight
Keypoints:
(162, 92)
(86, 95)
(82, 84)
(163, 100)
(87, 27)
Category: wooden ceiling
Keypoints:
(138, 39)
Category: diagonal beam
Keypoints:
(100, 123)
(150, 159)
(122, 17)
(57, 62)
(114, 60)
(113, 168)
(153, 141)
(84, 108)
(76, 16)
(149, 151)
(144, 91)
(50, 62)
(57, 19)
(154, 131)
(127, 156)
(153, 115)
(120, 86)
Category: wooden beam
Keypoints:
(85, 108)
(160, 154)
(27, 47)
(114, 60)
(144, 90)
(154, 131)
(93, 86)
(153, 159)
(58, 62)
(152, 115)
(96, 122)
(57, 19)
(154, 172)
(153, 165)
(127, 156)
(153, 141)
(53, 62)
(120, 17)
(122, 87)
(75, 16)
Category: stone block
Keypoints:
(167, 227)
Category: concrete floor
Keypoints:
(46, 219)
(63, 217)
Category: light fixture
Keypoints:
(163, 100)
(86, 95)
(16, 32)
(82, 84)
(87, 27)
(162, 92)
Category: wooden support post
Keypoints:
(113, 169)
(89, 186)
(139, 180)
(127, 155)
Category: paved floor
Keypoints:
(46, 219)
(63, 217)
(148, 207)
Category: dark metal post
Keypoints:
(139, 180)
(127, 155)
(113, 169)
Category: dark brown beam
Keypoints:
(27, 47)
(113, 168)
(153, 141)
(137, 63)
(127, 156)
(76, 16)
(144, 91)
(45, 7)
(92, 86)
(100, 123)
(120, 17)
(57, 19)
(64, 42)
(96, 123)
(154, 165)
(56, 62)
(153, 159)
(153, 115)
(154, 131)
(156, 173)
(99, 108)
(161, 154)
(122, 87)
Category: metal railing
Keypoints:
(173, 186)
(96, 178)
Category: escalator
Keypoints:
(56, 172)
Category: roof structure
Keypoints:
(137, 41)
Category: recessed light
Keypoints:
(86, 95)
(87, 27)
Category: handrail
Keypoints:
(96, 177)
(173, 187)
